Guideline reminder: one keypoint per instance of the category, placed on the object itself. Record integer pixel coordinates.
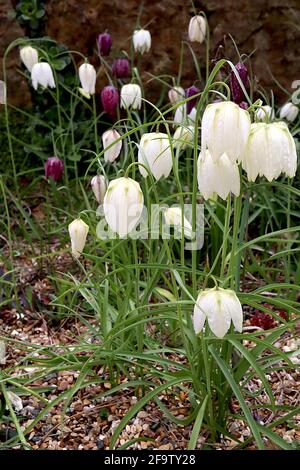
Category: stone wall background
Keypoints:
(271, 28)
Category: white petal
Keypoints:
(217, 314)
(131, 96)
(41, 74)
(234, 309)
(199, 316)
(108, 138)
(155, 153)
(78, 231)
(123, 205)
(87, 76)
(173, 216)
(225, 129)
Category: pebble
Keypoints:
(154, 426)
(165, 447)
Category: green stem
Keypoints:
(226, 233)
(95, 124)
(208, 386)
(234, 259)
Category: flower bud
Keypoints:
(99, 187)
(289, 112)
(270, 151)
(87, 76)
(155, 153)
(197, 29)
(54, 168)
(78, 231)
(131, 95)
(236, 90)
(265, 113)
(123, 205)
(141, 40)
(104, 43)
(220, 123)
(176, 94)
(29, 56)
(110, 99)
(121, 68)
(41, 74)
(182, 136)
(220, 307)
(113, 152)
(189, 92)
(173, 216)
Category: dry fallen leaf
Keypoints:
(2, 353)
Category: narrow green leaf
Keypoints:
(236, 390)
(197, 425)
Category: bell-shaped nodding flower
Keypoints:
(78, 231)
(87, 76)
(29, 56)
(121, 68)
(197, 29)
(182, 136)
(131, 96)
(265, 113)
(182, 117)
(104, 43)
(225, 129)
(176, 94)
(189, 92)
(54, 168)
(123, 205)
(219, 307)
(41, 74)
(270, 151)
(217, 177)
(2, 92)
(236, 90)
(108, 138)
(141, 40)
(173, 216)
(110, 100)
(155, 153)
(98, 184)
(289, 112)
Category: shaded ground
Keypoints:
(90, 419)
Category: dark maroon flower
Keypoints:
(262, 320)
(54, 168)
(121, 68)
(191, 91)
(237, 93)
(283, 315)
(110, 100)
(104, 43)
(244, 105)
